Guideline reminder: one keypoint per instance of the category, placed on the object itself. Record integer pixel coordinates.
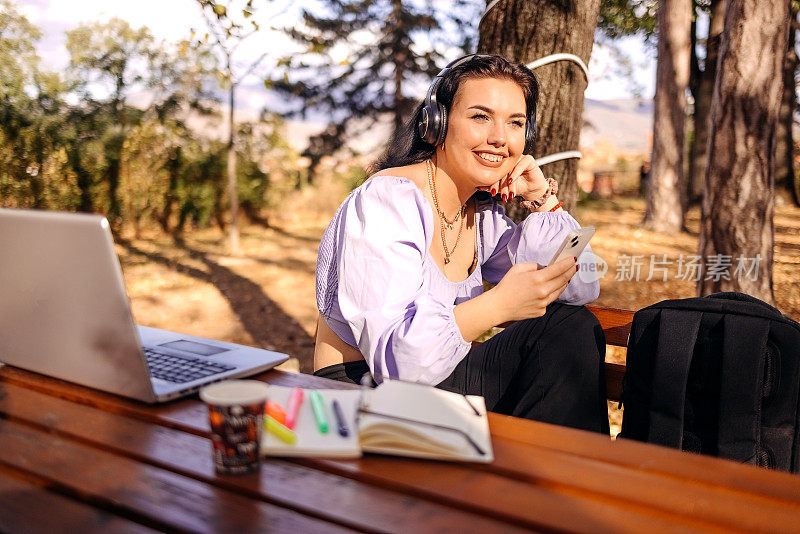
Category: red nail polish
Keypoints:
(494, 191)
(577, 268)
(574, 258)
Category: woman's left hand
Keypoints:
(525, 179)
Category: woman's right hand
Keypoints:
(527, 289)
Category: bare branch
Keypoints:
(251, 68)
(213, 30)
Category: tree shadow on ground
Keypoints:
(265, 321)
(285, 233)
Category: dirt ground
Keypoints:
(265, 295)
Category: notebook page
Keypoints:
(425, 403)
(310, 441)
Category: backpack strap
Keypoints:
(677, 335)
(745, 340)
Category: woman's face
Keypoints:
(486, 130)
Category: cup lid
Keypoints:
(235, 392)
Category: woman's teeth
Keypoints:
(490, 157)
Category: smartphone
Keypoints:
(573, 244)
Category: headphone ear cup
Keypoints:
(424, 124)
(530, 136)
(441, 125)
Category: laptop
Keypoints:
(65, 313)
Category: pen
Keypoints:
(293, 409)
(337, 411)
(279, 431)
(318, 406)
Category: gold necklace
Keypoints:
(442, 214)
(442, 219)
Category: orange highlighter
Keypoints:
(276, 412)
(295, 401)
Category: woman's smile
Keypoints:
(489, 159)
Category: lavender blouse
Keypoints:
(380, 291)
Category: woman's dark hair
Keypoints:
(406, 147)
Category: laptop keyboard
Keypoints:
(179, 369)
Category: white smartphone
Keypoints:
(573, 244)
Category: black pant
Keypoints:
(549, 369)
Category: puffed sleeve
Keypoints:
(403, 332)
(535, 240)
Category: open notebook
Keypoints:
(398, 418)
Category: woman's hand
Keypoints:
(527, 289)
(525, 179)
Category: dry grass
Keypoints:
(265, 295)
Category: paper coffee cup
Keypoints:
(236, 415)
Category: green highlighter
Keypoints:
(318, 406)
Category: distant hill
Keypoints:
(627, 124)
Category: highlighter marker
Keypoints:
(340, 423)
(279, 431)
(318, 406)
(275, 411)
(293, 409)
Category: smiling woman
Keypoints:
(401, 267)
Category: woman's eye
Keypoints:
(518, 124)
(480, 116)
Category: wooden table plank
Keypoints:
(648, 458)
(498, 496)
(305, 489)
(633, 489)
(30, 508)
(149, 495)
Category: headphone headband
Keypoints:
(431, 95)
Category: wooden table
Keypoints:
(76, 460)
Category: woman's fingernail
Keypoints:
(577, 268)
(494, 191)
(574, 258)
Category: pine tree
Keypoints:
(366, 59)
(664, 211)
(737, 227)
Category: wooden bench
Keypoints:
(616, 325)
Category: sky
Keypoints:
(173, 20)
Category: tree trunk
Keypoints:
(698, 161)
(736, 229)
(784, 151)
(114, 167)
(233, 193)
(525, 31)
(665, 191)
(83, 177)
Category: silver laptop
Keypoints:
(64, 312)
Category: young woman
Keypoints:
(401, 266)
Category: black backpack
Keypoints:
(717, 375)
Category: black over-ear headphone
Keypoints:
(432, 122)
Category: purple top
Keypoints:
(380, 291)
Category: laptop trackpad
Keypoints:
(193, 347)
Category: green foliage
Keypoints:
(619, 18)
(65, 145)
